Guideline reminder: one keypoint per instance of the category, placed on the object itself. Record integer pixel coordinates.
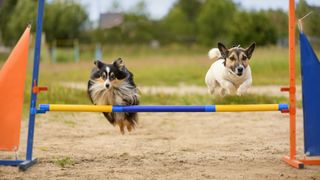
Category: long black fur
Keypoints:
(127, 94)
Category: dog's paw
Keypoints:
(241, 92)
(212, 91)
(224, 92)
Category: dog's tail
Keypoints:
(214, 54)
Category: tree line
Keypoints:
(188, 22)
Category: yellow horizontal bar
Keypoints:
(80, 108)
(241, 108)
(109, 108)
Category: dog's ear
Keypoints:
(98, 63)
(119, 63)
(250, 50)
(223, 50)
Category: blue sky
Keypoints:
(159, 8)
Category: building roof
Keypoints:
(110, 20)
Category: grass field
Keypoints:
(170, 66)
(173, 66)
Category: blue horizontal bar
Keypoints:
(207, 108)
(11, 162)
(283, 107)
(43, 108)
(164, 108)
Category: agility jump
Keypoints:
(43, 108)
(11, 111)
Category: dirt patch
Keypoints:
(163, 146)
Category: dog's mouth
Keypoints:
(239, 73)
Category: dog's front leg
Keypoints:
(244, 87)
(228, 87)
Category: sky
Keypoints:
(159, 8)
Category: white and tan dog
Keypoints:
(230, 73)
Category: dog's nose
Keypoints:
(107, 86)
(240, 69)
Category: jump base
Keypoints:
(293, 162)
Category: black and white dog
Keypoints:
(113, 84)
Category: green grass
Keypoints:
(64, 162)
(197, 99)
(70, 123)
(173, 66)
(270, 67)
(64, 55)
(133, 51)
(169, 66)
(60, 95)
(3, 57)
(63, 95)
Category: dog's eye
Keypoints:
(103, 75)
(112, 77)
(232, 58)
(244, 58)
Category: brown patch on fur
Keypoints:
(244, 59)
(116, 82)
(236, 57)
(99, 80)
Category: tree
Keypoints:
(180, 23)
(22, 14)
(215, 20)
(63, 20)
(253, 26)
(140, 9)
(177, 25)
(190, 8)
(116, 6)
(136, 28)
(311, 23)
(5, 15)
(279, 20)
